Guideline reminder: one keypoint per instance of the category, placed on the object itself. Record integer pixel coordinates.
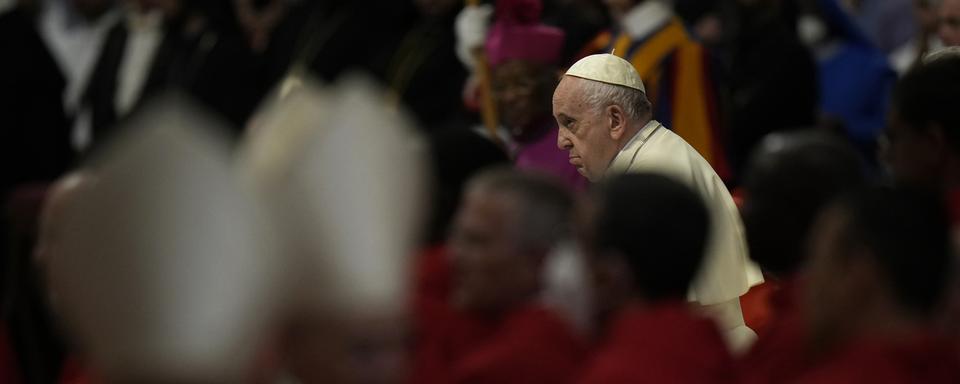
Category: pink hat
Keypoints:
(517, 34)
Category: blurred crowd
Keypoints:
(508, 191)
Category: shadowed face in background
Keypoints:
(522, 91)
(908, 152)
(949, 22)
(493, 271)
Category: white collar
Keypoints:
(646, 17)
(628, 154)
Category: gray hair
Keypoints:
(634, 102)
(545, 207)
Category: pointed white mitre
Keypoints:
(164, 274)
(607, 68)
(278, 132)
(348, 192)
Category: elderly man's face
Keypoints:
(522, 92)
(491, 266)
(584, 131)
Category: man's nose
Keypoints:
(563, 141)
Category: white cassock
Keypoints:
(727, 272)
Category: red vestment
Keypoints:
(921, 358)
(778, 355)
(666, 343)
(528, 345)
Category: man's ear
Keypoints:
(617, 121)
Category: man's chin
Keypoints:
(584, 173)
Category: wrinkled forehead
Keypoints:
(568, 94)
(567, 84)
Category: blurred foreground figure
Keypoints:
(790, 178)
(523, 55)
(34, 216)
(606, 125)
(924, 141)
(159, 268)
(62, 195)
(880, 265)
(642, 275)
(676, 70)
(498, 331)
(343, 175)
(924, 128)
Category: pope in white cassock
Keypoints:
(606, 126)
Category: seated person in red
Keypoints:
(879, 266)
(647, 243)
(507, 225)
(791, 176)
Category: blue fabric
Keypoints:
(855, 78)
(889, 23)
(855, 86)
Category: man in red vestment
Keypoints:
(789, 179)
(648, 242)
(880, 264)
(496, 330)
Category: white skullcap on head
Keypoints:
(607, 68)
